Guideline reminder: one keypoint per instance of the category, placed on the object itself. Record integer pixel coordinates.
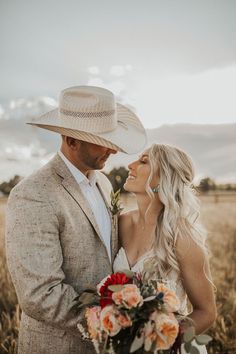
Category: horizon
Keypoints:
(210, 145)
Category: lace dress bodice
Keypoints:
(121, 263)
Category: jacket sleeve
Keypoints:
(35, 261)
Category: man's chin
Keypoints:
(100, 165)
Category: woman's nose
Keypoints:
(131, 165)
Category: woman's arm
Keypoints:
(195, 275)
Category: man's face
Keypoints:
(92, 156)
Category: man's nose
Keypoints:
(111, 151)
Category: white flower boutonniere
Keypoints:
(115, 202)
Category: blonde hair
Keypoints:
(180, 214)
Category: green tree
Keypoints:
(117, 177)
(6, 187)
(207, 184)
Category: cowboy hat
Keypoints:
(91, 114)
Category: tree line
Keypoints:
(118, 176)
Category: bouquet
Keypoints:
(126, 314)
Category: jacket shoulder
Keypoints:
(36, 183)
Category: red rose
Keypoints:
(113, 279)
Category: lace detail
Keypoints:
(121, 260)
(121, 263)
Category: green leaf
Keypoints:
(90, 289)
(189, 334)
(149, 298)
(127, 272)
(203, 339)
(117, 193)
(194, 350)
(116, 197)
(115, 288)
(187, 347)
(137, 344)
(86, 298)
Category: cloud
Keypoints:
(1, 111)
(208, 97)
(10, 168)
(95, 81)
(128, 67)
(20, 152)
(117, 70)
(94, 70)
(24, 148)
(120, 70)
(117, 80)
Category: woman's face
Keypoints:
(139, 172)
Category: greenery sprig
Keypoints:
(115, 202)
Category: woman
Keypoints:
(165, 230)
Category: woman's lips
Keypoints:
(130, 177)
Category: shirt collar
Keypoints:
(77, 174)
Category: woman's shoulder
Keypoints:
(188, 252)
(126, 218)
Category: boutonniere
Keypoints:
(115, 203)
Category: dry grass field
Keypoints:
(220, 220)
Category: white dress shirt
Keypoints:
(93, 196)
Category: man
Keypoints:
(60, 236)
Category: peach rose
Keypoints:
(170, 299)
(109, 320)
(92, 315)
(124, 320)
(149, 335)
(128, 297)
(161, 330)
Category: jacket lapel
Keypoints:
(73, 188)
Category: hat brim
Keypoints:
(129, 136)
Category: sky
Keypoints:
(172, 61)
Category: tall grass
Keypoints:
(9, 310)
(220, 220)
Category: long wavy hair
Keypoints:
(180, 214)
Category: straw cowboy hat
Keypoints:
(91, 114)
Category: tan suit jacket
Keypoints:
(54, 251)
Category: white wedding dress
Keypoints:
(121, 263)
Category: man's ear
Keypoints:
(72, 143)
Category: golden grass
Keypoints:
(220, 220)
(9, 310)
